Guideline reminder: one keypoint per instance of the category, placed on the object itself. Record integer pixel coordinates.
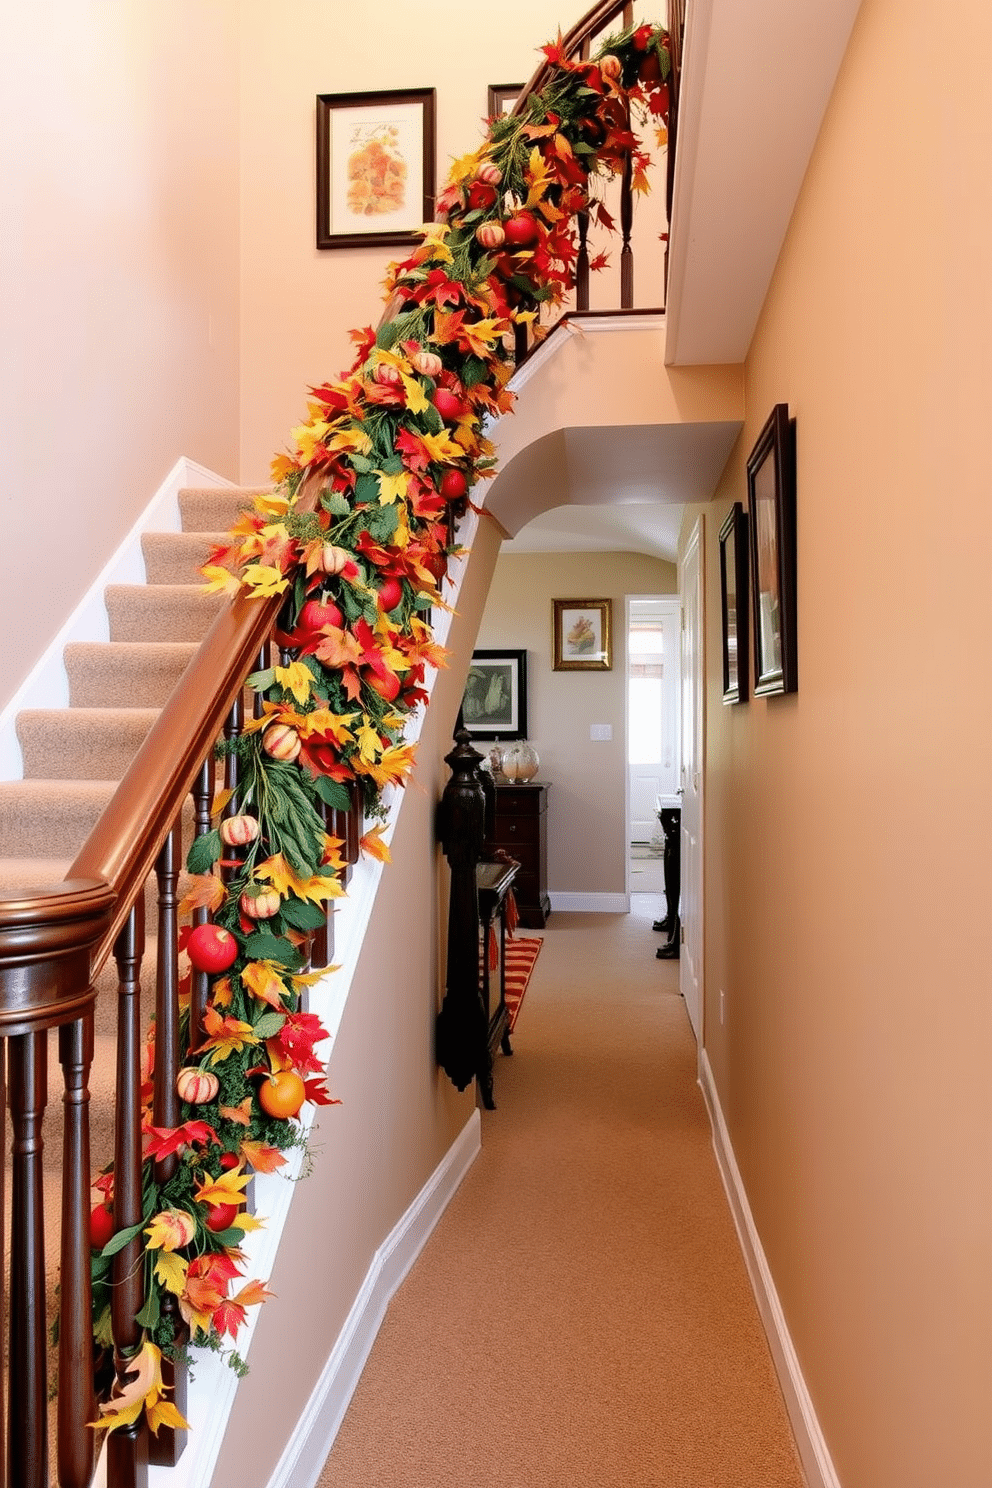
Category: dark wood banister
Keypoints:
(591, 24)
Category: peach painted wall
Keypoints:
(848, 827)
(587, 850)
(118, 297)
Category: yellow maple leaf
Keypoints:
(205, 892)
(164, 1413)
(393, 487)
(265, 581)
(219, 580)
(282, 878)
(264, 983)
(297, 679)
(271, 504)
(223, 993)
(170, 1229)
(373, 845)
(171, 1272)
(369, 743)
(281, 466)
(246, 1222)
(227, 1036)
(220, 801)
(441, 447)
(336, 725)
(227, 1189)
(416, 398)
(144, 1390)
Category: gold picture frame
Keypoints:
(582, 635)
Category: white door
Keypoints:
(691, 897)
(652, 711)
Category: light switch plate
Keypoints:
(600, 732)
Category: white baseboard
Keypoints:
(591, 903)
(47, 685)
(306, 1452)
(810, 1443)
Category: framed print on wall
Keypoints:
(502, 97)
(771, 489)
(494, 704)
(581, 639)
(375, 167)
(733, 604)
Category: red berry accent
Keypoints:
(101, 1225)
(447, 405)
(521, 229)
(211, 948)
(229, 1160)
(453, 485)
(390, 593)
(220, 1217)
(316, 613)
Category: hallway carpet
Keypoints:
(581, 1317)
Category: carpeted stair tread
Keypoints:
(215, 508)
(129, 674)
(161, 612)
(177, 557)
(81, 743)
(49, 818)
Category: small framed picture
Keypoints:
(375, 167)
(733, 596)
(494, 704)
(771, 489)
(502, 97)
(581, 635)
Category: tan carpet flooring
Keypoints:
(581, 1316)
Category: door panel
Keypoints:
(691, 898)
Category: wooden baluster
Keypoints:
(461, 1030)
(258, 698)
(127, 1448)
(582, 219)
(27, 1447)
(626, 228)
(232, 730)
(200, 982)
(77, 1399)
(520, 344)
(166, 1448)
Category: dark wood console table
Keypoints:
(493, 881)
(521, 829)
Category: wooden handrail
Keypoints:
(591, 24)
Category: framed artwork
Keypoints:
(771, 489)
(375, 167)
(494, 704)
(502, 97)
(733, 598)
(581, 635)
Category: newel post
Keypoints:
(462, 1025)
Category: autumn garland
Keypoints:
(393, 447)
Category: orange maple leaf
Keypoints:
(205, 892)
(263, 1159)
(373, 845)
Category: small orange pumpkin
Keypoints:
(281, 742)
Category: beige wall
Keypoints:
(118, 297)
(586, 826)
(298, 302)
(848, 827)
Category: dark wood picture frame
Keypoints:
(581, 638)
(494, 704)
(771, 489)
(396, 126)
(734, 561)
(502, 97)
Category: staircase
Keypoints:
(73, 759)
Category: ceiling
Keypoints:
(757, 76)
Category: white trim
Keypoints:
(591, 903)
(306, 1451)
(810, 1442)
(577, 324)
(47, 686)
